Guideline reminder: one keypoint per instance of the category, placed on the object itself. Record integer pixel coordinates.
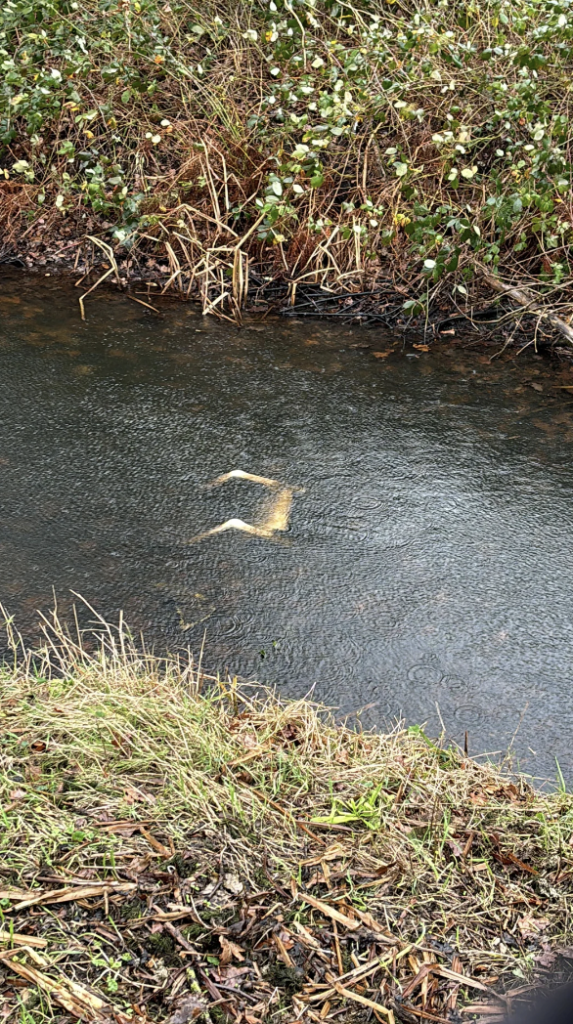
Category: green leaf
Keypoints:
(413, 307)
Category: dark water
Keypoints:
(428, 563)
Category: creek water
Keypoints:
(427, 567)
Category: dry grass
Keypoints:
(223, 814)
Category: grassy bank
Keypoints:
(417, 151)
(174, 846)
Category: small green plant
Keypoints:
(364, 810)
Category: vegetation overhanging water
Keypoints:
(418, 152)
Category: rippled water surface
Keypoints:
(427, 568)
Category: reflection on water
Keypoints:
(428, 563)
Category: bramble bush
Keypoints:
(432, 136)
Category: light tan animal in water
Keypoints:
(239, 474)
(278, 515)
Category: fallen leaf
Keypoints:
(422, 348)
(381, 355)
(448, 332)
(547, 958)
(530, 926)
(455, 848)
(230, 950)
(154, 843)
(521, 865)
(229, 974)
(248, 740)
(188, 1008)
(133, 795)
(233, 884)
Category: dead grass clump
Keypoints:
(176, 845)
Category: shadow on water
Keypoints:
(427, 565)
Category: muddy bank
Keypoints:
(494, 327)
